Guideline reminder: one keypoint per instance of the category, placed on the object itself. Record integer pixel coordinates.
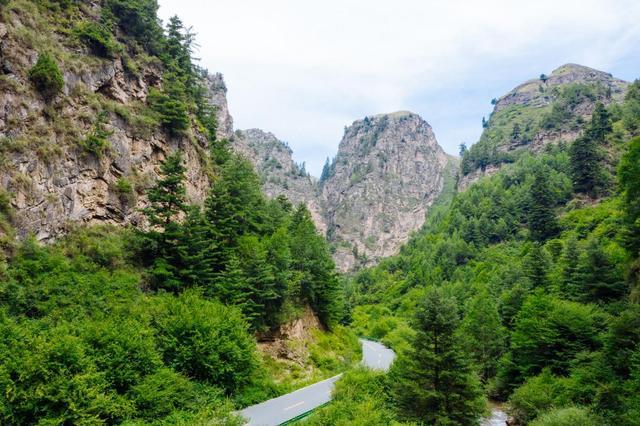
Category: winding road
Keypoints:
(287, 407)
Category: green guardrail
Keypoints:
(304, 415)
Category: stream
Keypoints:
(498, 416)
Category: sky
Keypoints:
(304, 70)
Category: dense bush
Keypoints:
(205, 340)
(98, 38)
(46, 76)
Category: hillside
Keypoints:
(547, 110)
(388, 171)
(524, 288)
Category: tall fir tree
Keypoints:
(536, 265)
(433, 382)
(542, 219)
(586, 154)
(484, 333)
(570, 278)
(601, 281)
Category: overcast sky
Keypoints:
(303, 70)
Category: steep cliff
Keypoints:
(280, 175)
(50, 169)
(548, 109)
(388, 171)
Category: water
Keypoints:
(498, 417)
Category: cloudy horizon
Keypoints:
(304, 71)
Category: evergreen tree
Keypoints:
(167, 199)
(484, 332)
(601, 281)
(542, 219)
(570, 279)
(586, 156)
(433, 382)
(536, 266)
(235, 204)
(167, 206)
(629, 178)
(314, 267)
(326, 171)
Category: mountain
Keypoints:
(273, 161)
(388, 171)
(545, 110)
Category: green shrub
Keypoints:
(98, 38)
(571, 416)
(46, 76)
(537, 395)
(169, 104)
(205, 340)
(97, 143)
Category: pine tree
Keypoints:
(542, 219)
(536, 266)
(326, 171)
(571, 281)
(600, 279)
(433, 382)
(629, 178)
(484, 332)
(167, 206)
(586, 156)
(314, 268)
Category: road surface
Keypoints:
(286, 407)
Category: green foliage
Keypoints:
(570, 416)
(537, 395)
(46, 76)
(98, 38)
(138, 18)
(629, 177)
(542, 219)
(80, 343)
(359, 398)
(586, 155)
(433, 381)
(170, 104)
(97, 142)
(205, 340)
(550, 332)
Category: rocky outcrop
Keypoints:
(217, 96)
(273, 160)
(388, 171)
(542, 111)
(52, 179)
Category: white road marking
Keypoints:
(294, 406)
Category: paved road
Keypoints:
(376, 356)
(286, 407)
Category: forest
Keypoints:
(522, 290)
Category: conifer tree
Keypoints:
(536, 266)
(484, 332)
(542, 219)
(433, 382)
(570, 280)
(601, 281)
(167, 205)
(629, 178)
(586, 156)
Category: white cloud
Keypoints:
(303, 70)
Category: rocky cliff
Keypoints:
(544, 110)
(52, 178)
(388, 171)
(273, 160)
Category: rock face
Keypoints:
(541, 111)
(273, 160)
(388, 171)
(52, 180)
(217, 96)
